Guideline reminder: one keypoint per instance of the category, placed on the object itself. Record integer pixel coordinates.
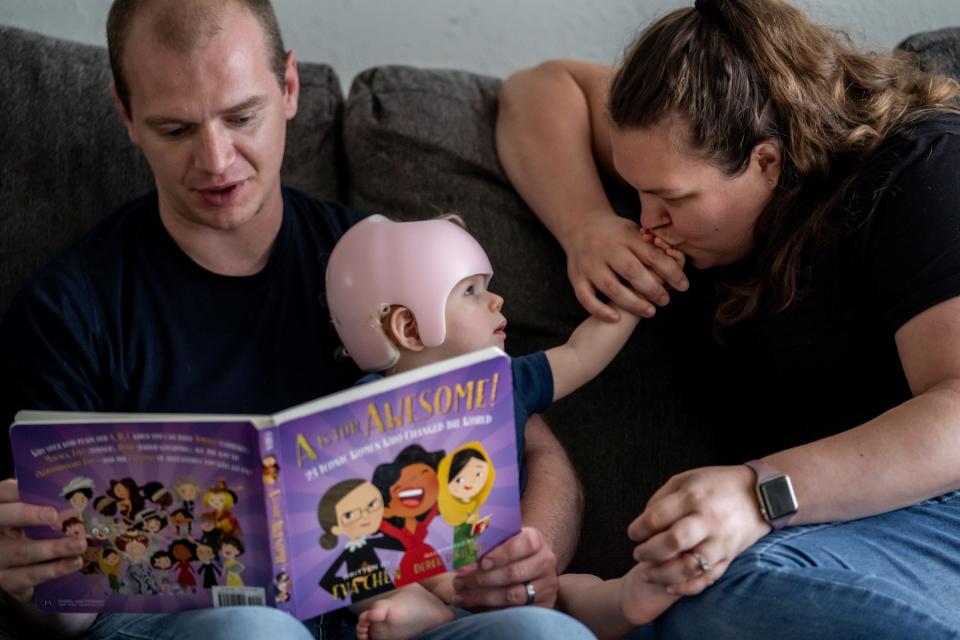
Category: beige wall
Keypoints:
(487, 36)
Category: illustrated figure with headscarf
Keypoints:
(465, 477)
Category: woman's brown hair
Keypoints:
(740, 72)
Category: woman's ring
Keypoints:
(531, 593)
(705, 566)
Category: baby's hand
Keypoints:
(678, 256)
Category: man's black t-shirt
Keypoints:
(830, 362)
(125, 321)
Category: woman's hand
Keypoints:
(25, 563)
(695, 525)
(617, 257)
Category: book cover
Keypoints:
(172, 509)
(309, 510)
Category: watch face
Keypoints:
(778, 497)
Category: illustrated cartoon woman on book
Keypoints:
(466, 477)
(162, 561)
(187, 489)
(209, 569)
(283, 587)
(125, 499)
(222, 499)
(231, 548)
(409, 489)
(354, 508)
(184, 552)
(79, 492)
(110, 567)
(139, 574)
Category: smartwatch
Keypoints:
(778, 502)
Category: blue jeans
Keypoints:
(896, 575)
(256, 623)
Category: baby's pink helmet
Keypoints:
(378, 263)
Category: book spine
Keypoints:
(275, 509)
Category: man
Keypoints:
(205, 297)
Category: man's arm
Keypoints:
(528, 563)
(553, 500)
(43, 365)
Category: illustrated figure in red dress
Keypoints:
(409, 488)
(185, 552)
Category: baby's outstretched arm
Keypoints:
(588, 351)
(593, 344)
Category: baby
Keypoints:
(406, 294)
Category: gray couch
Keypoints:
(406, 142)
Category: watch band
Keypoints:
(765, 476)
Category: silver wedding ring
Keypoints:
(705, 566)
(531, 593)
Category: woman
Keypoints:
(408, 487)
(354, 508)
(465, 478)
(814, 188)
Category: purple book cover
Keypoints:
(389, 489)
(172, 512)
(342, 498)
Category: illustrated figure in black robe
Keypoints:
(354, 508)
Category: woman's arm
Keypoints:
(873, 468)
(905, 455)
(552, 133)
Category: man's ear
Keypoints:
(291, 86)
(122, 112)
(402, 328)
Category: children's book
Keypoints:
(308, 510)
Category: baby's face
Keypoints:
(473, 320)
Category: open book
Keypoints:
(308, 510)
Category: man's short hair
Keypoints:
(181, 25)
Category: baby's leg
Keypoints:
(612, 608)
(405, 613)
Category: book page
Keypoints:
(372, 499)
(172, 511)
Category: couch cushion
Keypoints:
(420, 142)
(67, 160)
(936, 50)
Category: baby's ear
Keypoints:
(401, 327)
